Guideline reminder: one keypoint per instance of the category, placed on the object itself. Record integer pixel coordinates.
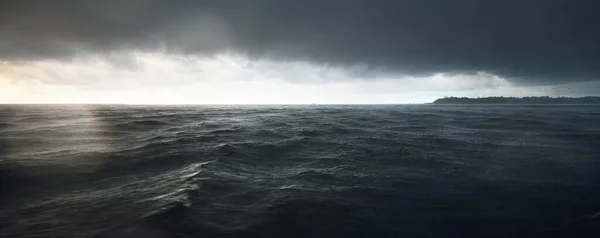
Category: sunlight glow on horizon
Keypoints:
(154, 78)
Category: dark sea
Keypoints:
(300, 171)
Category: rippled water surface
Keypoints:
(299, 171)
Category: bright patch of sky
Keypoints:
(157, 78)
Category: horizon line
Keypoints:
(207, 104)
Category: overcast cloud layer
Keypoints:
(528, 41)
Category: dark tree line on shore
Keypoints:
(517, 100)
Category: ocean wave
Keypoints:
(320, 175)
(282, 219)
(587, 137)
(140, 124)
(4, 125)
(226, 149)
(269, 133)
(154, 194)
(225, 131)
(12, 178)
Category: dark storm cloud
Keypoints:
(538, 41)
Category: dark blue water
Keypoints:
(300, 171)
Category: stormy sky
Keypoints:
(292, 51)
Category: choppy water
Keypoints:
(299, 171)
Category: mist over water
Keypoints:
(299, 171)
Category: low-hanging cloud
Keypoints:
(527, 41)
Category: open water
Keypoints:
(299, 171)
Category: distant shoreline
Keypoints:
(520, 100)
